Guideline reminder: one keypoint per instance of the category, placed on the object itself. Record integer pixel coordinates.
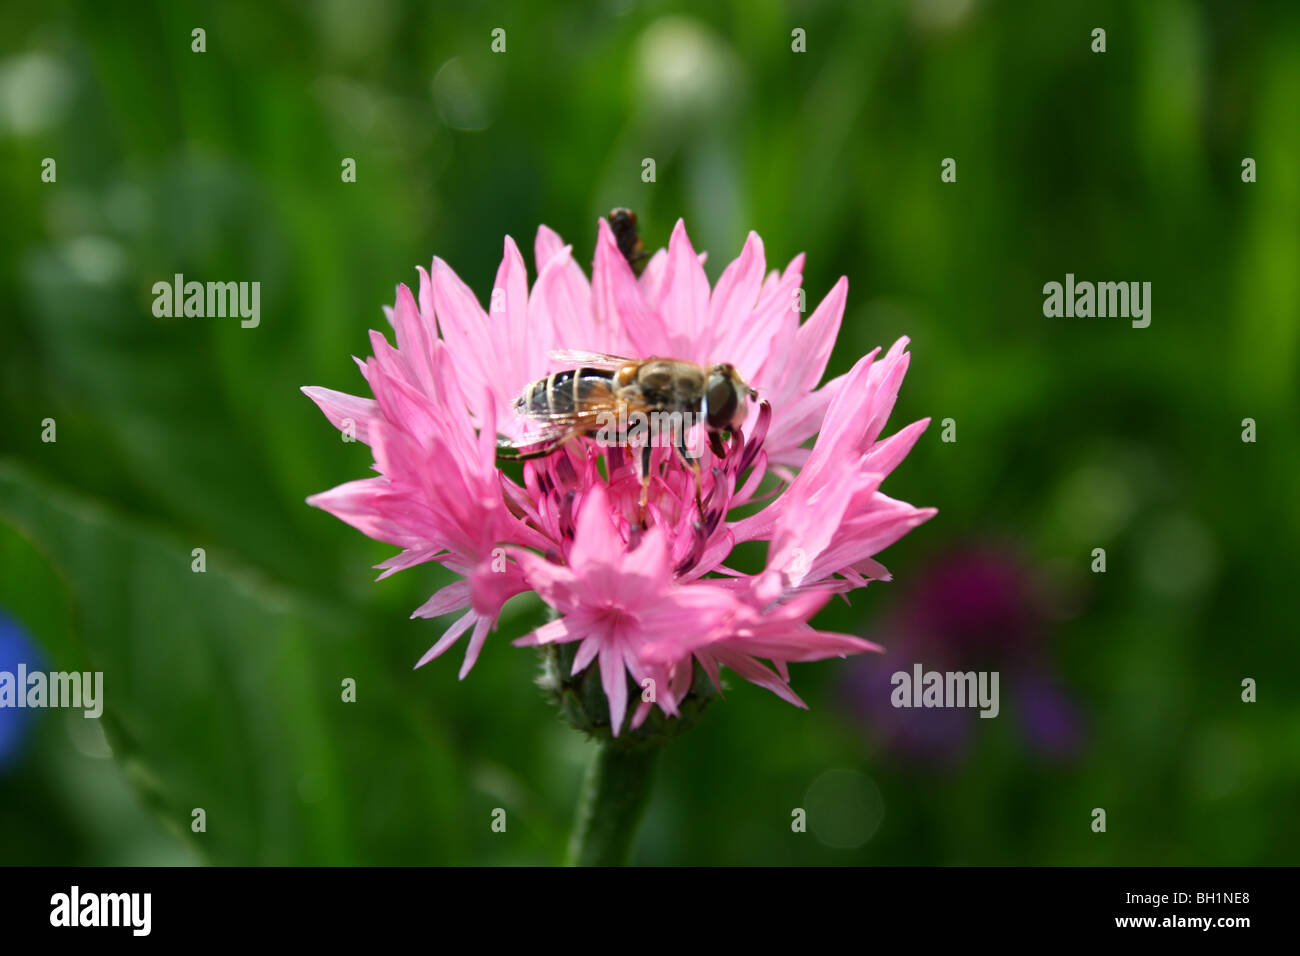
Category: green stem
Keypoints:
(614, 794)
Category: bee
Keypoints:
(623, 223)
(600, 388)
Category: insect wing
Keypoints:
(584, 359)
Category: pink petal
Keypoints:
(613, 679)
(453, 597)
(561, 302)
(735, 296)
(545, 246)
(816, 337)
(684, 301)
(475, 645)
(449, 638)
(886, 455)
(596, 540)
(552, 632)
(620, 310)
(340, 407)
(522, 344)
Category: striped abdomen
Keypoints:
(564, 393)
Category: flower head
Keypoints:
(640, 591)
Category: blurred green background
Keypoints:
(223, 688)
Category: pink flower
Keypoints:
(646, 601)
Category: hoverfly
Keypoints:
(601, 388)
(623, 224)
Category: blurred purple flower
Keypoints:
(978, 607)
(1048, 719)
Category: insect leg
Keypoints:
(694, 465)
(511, 453)
(645, 479)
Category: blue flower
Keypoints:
(15, 722)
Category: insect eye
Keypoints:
(722, 401)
